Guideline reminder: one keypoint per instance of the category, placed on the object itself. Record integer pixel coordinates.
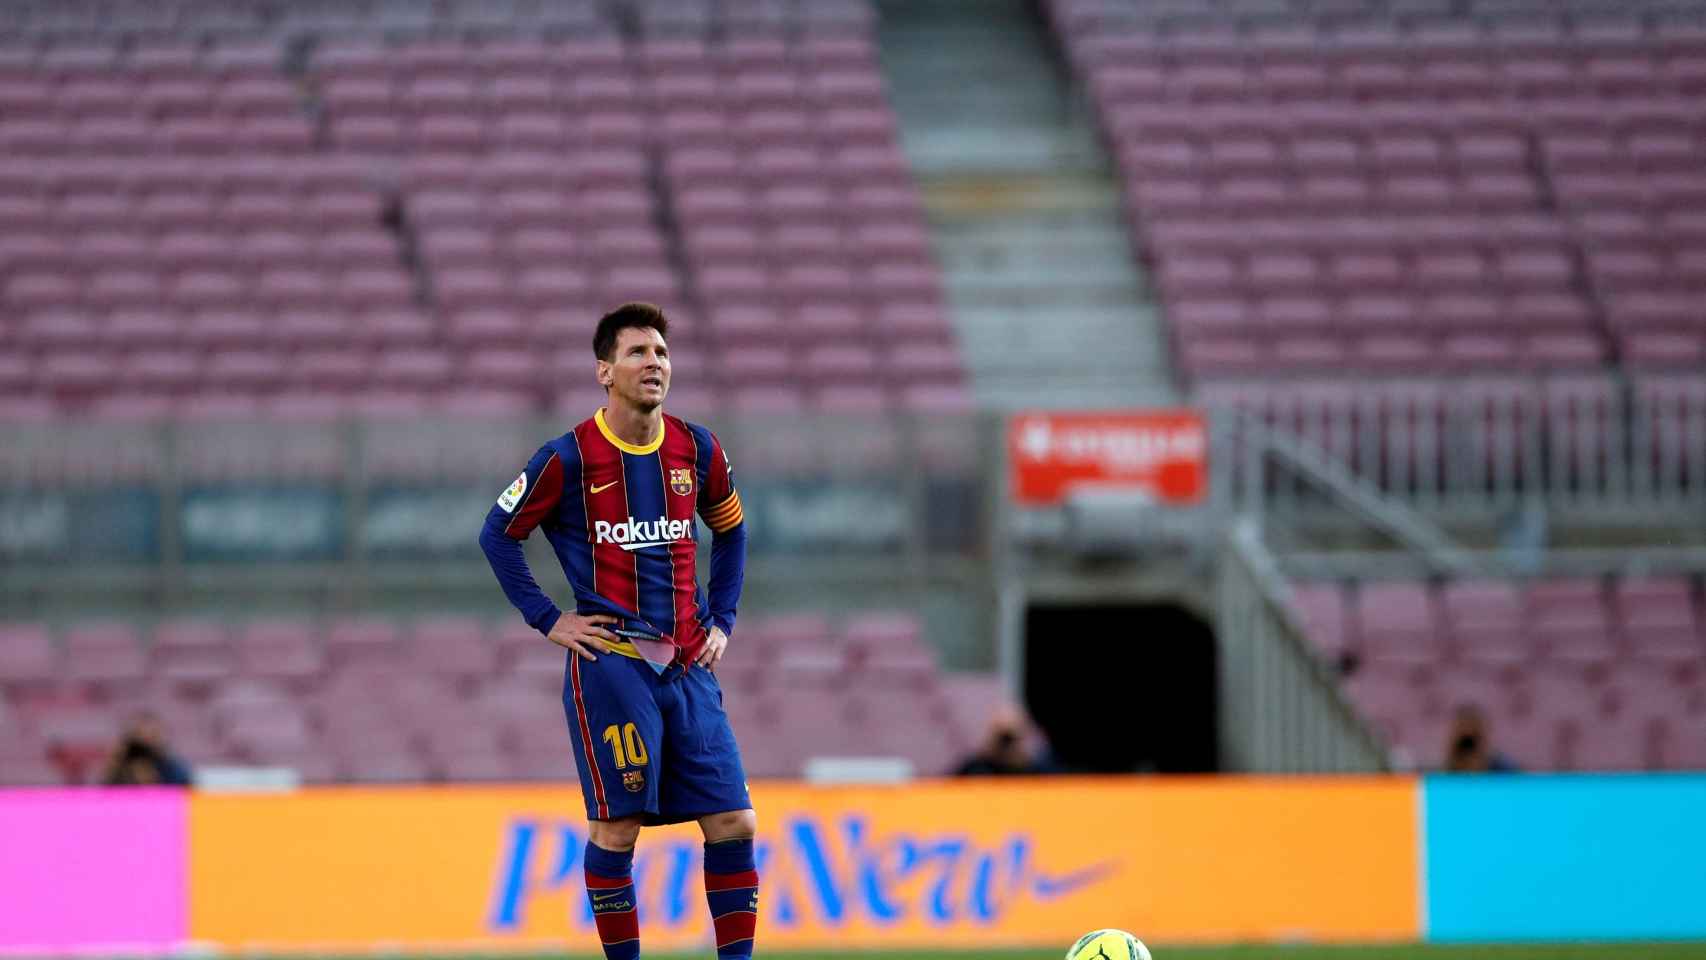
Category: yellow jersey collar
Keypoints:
(624, 445)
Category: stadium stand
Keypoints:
(1573, 674)
(1420, 188)
(1449, 218)
(390, 221)
(300, 212)
(328, 698)
(1439, 219)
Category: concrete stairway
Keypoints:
(1051, 309)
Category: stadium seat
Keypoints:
(27, 654)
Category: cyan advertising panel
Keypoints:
(1565, 857)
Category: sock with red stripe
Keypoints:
(731, 888)
(610, 887)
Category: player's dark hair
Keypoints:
(641, 316)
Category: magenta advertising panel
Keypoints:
(92, 868)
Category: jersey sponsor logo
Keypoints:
(600, 489)
(681, 480)
(509, 498)
(632, 534)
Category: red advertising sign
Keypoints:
(1162, 452)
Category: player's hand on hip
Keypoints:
(715, 643)
(583, 635)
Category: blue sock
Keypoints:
(610, 887)
(731, 889)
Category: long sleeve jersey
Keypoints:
(620, 518)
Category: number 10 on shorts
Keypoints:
(627, 737)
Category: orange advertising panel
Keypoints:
(952, 864)
(1161, 452)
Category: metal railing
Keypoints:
(1280, 706)
(1476, 450)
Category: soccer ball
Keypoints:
(1108, 945)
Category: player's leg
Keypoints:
(609, 864)
(614, 723)
(731, 880)
(707, 782)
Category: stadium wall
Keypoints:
(938, 864)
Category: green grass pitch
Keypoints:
(1574, 951)
(1620, 951)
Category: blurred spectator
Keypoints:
(1003, 752)
(1468, 749)
(143, 759)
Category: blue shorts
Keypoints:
(656, 745)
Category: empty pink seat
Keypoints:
(1571, 620)
(1324, 613)
(279, 650)
(191, 652)
(1396, 622)
(815, 666)
(103, 652)
(1624, 739)
(225, 327)
(1487, 622)
(366, 641)
(1682, 743)
(452, 646)
(27, 653)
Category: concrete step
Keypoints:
(1040, 247)
(1017, 273)
(1041, 368)
(1037, 242)
(1000, 66)
(995, 292)
(959, 202)
(1028, 221)
(946, 14)
(1062, 355)
(1086, 392)
(1090, 222)
(1005, 150)
(992, 105)
(1121, 323)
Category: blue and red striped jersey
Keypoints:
(621, 520)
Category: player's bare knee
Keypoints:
(619, 834)
(729, 825)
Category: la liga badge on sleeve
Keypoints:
(509, 498)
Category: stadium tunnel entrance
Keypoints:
(1144, 700)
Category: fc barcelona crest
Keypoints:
(681, 480)
(634, 780)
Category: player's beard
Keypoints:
(643, 402)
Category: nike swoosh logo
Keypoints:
(1048, 888)
(606, 486)
(607, 896)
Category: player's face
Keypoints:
(638, 373)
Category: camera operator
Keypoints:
(142, 758)
(1468, 749)
(1003, 752)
